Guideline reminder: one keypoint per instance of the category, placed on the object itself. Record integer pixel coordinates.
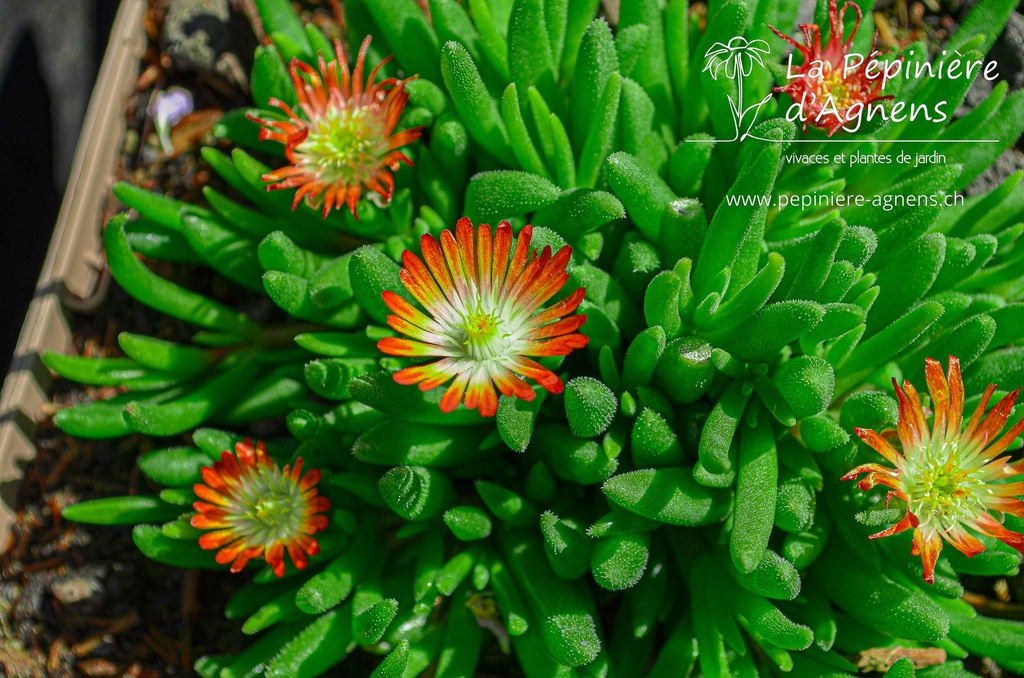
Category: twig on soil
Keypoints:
(189, 609)
(119, 625)
(57, 652)
(48, 564)
(98, 667)
(994, 608)
(162, 645)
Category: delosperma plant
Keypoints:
(572, 342)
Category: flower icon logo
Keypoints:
(737, 58)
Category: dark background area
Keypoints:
(31, 180)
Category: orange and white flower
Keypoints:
(951, 478)
(483, 293)
(342, 137)
(256, 509)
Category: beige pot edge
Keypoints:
(74, 260)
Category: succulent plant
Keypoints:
(667, 498)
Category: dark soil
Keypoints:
(81, 600)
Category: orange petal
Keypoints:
(561, 308)
(938, 388)
(964, 542)
(275, 558)
(483, 260)
(928, 548)
(869, 468)
(409, 348)
(917, 411)
(230, 552)
(206, 521)
(454, 394)
(879, 444)
(910, 437)
(217, 539)
(908, 522)
(989, 526)
(501, 249)
(995, 421)
(210, 495)
(488, 401)
(542, 375)
(978, 412)
(298, 557)
(956, 398)
(1000, 445)
(563, 326)
(1006, 505)
(311, 478)
(563, 345)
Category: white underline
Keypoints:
(851, 141)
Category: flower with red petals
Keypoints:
(951, 478)
(257, 509)
(832, 93)
(483, 293)
(341, 139)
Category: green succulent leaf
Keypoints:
(572, 458)
(176, 553)
(579, 211)
(468, 523)
(503, 194)
(567, 627)
(310, 653)
(507, 505)
(416, 492)
(641, 190)
(599, 139)
(516, 419)
(394, 443)
(756, 478)
(269, 80)
(653, 442)
(566, 546)
(395, 663)
(668, 495)
(807, 383)
(332, 585)
(685, 369)
(480, 112)
(165, 296)
(279, 17)
(372, 272)
(174, 466)
(192, 408)
(409, 34)
(530, 58)
(619, 562)
(902, 611)
(589, 406)
(129, 510)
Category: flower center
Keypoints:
(833, 84)
(339, 143)
(484, 335)
(938, 487)
(268, 507)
